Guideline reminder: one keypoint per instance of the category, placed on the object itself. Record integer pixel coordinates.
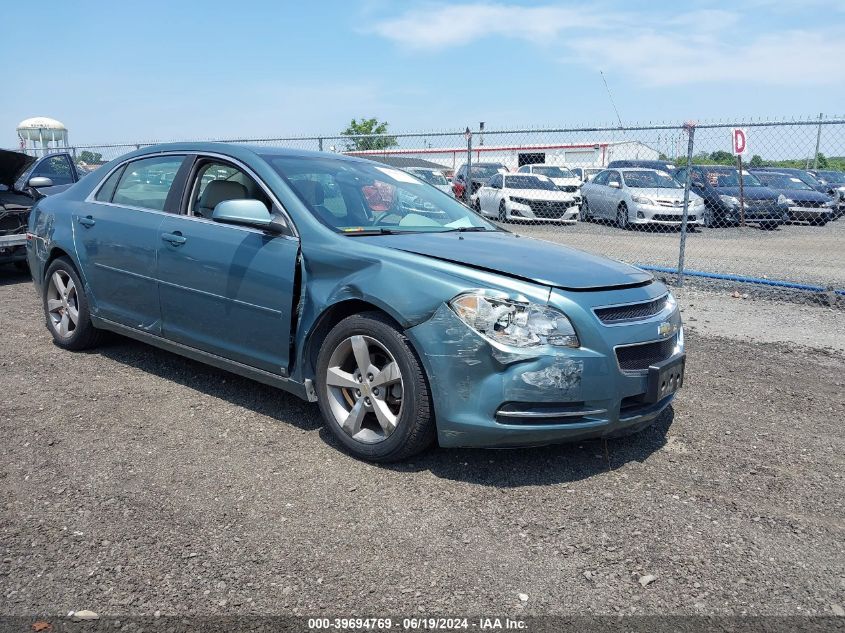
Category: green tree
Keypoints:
(90, 157)
(721, 157)
(757, 161)
(368, 126)
(823, 164)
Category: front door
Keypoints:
(226, 289)
(116, 235)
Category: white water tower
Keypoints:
(38, 133)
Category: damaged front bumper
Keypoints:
(486, 395)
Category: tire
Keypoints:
(503, 212)
(707, 217)
(65, 294)
(372, 422)
(585, 211)
(477, 207)
(622, 216)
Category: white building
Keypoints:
(514, 156)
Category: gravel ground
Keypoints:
(799, 252)
(134, 481)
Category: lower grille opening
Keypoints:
(641, 357)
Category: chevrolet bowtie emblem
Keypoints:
(665, 329)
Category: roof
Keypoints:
(405, 162)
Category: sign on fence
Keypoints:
(739, 141)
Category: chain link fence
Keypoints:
(671, 198)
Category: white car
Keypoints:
(433, 177)
(525, 197)
(563, 178)
(632, 196)
(586, 173)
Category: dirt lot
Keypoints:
(134, 481)
(799, 252)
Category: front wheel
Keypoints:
(622, 216)
(66, 308)
(585, 211)
(372, 390)
(503, 212)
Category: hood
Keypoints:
(803, 195)
(661, 194)
(12, 166)
(751, 193)
(521, 257)
(567, 182)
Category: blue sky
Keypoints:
(128, 71)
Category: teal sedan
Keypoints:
(407, 317)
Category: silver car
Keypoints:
(433, 177)
(631, 196)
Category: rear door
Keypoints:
(226, 289)
(116, 234)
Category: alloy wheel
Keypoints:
(63, 304)
(365, 389)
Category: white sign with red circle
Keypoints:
(739, 141)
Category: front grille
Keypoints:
(811, 204)
(631, 312)
(13, 223)
(569, 188)
(641, 357)
(546, 209)
(678, 204)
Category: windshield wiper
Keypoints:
(372, 231)
(471, 229)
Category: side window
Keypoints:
(107, 190)
(496, 181)
(146, 183)
(613, 177)
(216, 182)
(56, 168)
(601, 178)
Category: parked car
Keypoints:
(631, 196)
(23, 180)
(809, 179)
(835, 180)
(433, 177)
(563, 178)
(586, 173)
(662, 165)
(481, 173)
(719, 186)
(804, 202)
(526, 197)
(309, 273)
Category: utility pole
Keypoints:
(818, 142)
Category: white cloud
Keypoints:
(440, 26)
(656, 48)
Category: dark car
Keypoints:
(661, 165)
(808, 178)
(481, 173)
(720, 187)
(23, 180)
(835, 181)
(804, 203)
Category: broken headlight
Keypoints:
(516, 323)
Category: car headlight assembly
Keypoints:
(731, 201)
(671, 303)
(642, 200)
(519, 324)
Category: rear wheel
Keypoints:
(585, 211)
(66, 308)
(372, 390)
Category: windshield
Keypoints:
(485, 171)
(529, 182)
(647, 179)
(431, 176)
(730, 178)
(779, 181)
(552, 171)
(356, 197)
(833, 176)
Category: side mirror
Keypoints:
(247, 212)
(39, 182)
(614, 184)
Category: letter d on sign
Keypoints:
(739, 141)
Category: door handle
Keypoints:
(87, 221)
(174, 238)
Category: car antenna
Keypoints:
(610, 96)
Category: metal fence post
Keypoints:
(468, 186)
(690, 128)
(320, 143)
